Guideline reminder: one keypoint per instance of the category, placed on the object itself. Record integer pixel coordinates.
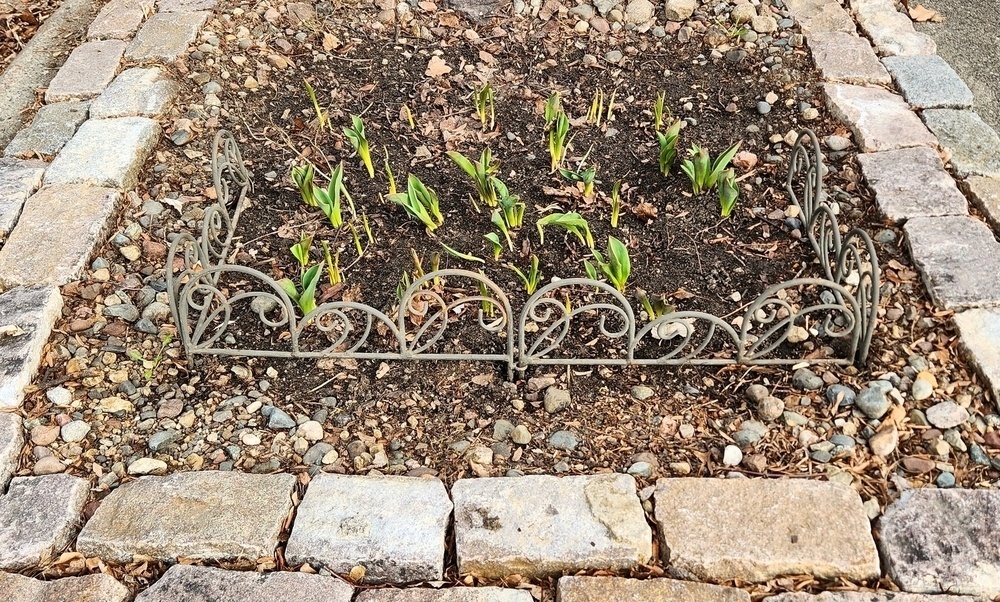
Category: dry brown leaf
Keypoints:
(681, 294)
(482, 379)
(645, 210)
(330, 41)
(745, 160)
(437, 67)
(922, 14)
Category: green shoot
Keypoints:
(571, 222)
(418, 264)
(404, 283)
(668, 147)
(302, 177)
(702, 171)
(420, 202)
(460, 255)
(388, 173)
(329, 200)
(409, 117)
(356, 136)
(513, 208)
(532, 278)
(321, 114)
(552, 109)
(658, 111)
(596, 111)
(497, 219)
(655, 307)
(484, 291)
(484, 106)
(557, 140)
(495, 244)
(305, 299)
(611, 106)
(301, 250)
(481, 173)
(435, 266)
(616, 203)
(357, 240)
(584, 176)
(729, 192)
(368, 228)
(617, 267)
(332, 265)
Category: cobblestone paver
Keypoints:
(39, 516)
(758, 529)
(136, 92)
(51, 129)
(880, 120)
(87, 71)
(929, 82)
(847, 58)
(18, 181)
(605, 589)
(972, 143)
(119, 19)
(911, 182)
(31, 312)
(943, 541)
(980, 340)
(173, 6)
(166, 36)
(393, 526)
(543, 525)
(72, 221)
(869, 597)
(105, 152)
(11, 441)
(891, 31)
(984, 192)
(820, 16)
(456, 594)
(89, 588)
(186, 583)
(958, 258)
(200, 515)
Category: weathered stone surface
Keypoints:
(757, 529)
(943, 541)
(476, 10)
(72, 221)
(984, 192)
(455, 594)
(891, 31)
(847, 58)
(543, 525)
(200, 515)
(88, 70)
(209, 584)
(880, 120)
(18, 181)
(973, 144)
(678, 10)
(32, 311)
(979, 331)
(182, 6)
(603, 589)
(958, 259)
(105, 152)
(166, 36)
(51, 129)
(928, 82)
(911, 182)
(119, 19)
(868, 597)
(136, 92)
(818, 16)
(38, 518)
(11, 441)
(393, 526)
(89, 588)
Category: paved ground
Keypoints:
(970, 41)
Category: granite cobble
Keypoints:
(911, 182)
(88, 70)
(166, 36)
(119, 19)
(105, 152)
(972, 143)
(847, 58)
(880, 120)
(186, 583)
(928, 82)
(88, 588)
(50, 130)
(28, 314)
(958, 258)
(979, 331)
(39, 516)
(136, 92)
(19, 179)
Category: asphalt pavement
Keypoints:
(969, 39)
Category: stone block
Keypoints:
(183, 6)
(603, 589)
(455, 594)
(868, 597)
(209, 584)
(166, 36)
(958, 259)
(119, 19)
(911, 182)
(393, 526)
(679, 10)
(943, 541)
(136, 92)
(928, 82)
(972, 143)
(891, 31)
(979, 336)
(847, 58)
(105, 152)
(879, 119)
(88, 588)
(18, 180)
(32, 312)
(72, 220)
(11, 442)
(88, 70)
(51, 129)
(210, 515)
(39, 516)
(820, 16)
(543, 525)
(984, 193)
(757, 529)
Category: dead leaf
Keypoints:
(745, 160)
(482, 379)
(645, 210)
(330, 41)
(921, 14)
(681, 294)
(437, 67)
(357, 574)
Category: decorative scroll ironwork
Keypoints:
(572, 321)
